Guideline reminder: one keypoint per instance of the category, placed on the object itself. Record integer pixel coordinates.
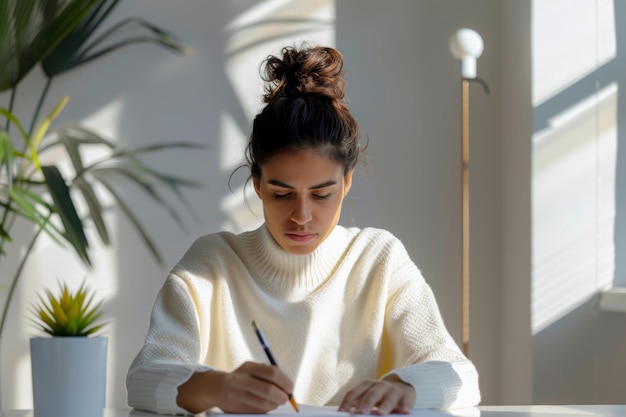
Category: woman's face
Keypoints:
(302, 193)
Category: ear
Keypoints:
(256, 182)
(347, 183)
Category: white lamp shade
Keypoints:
(467, 45)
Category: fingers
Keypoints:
(266, 374)
(254, 388)
(350, 401)
(379, 398)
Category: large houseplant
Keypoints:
(57, 36)
(68, 366)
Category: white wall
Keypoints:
(404, 89)
(515, 125)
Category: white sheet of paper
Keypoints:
(325, 411)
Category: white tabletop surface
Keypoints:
(482, 411)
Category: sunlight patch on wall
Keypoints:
(260, 31)
(266, 28)
(244, 208)
(566, 52)
(573, 207)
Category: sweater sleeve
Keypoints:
(425, 355)
(171, 352)
(442, 385)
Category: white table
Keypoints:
(546, 411)
(482, 411)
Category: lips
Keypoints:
(300, 236)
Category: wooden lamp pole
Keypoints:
(466, 45)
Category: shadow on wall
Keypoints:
(583, 355)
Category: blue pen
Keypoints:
(268, 352)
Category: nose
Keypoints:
(301, 214)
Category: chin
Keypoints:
(300, 250)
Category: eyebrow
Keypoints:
(314, 187)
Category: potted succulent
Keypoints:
(69, 364)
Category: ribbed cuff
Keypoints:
(156, 388)
(441, 385)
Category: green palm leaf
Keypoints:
(131, 173)
(23, 205)
(77, 134)
(5, 236)
(95, 208)
(120, 163)
(132, 218)
(31, 29)
(74, 50)
(74, 229)
(142, 170)
(15, 121)
(6, 157)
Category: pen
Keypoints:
(268, 352)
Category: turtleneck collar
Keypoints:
(274, 267)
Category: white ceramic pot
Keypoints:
(69, 376)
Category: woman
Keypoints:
(350, 318)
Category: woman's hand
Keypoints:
(380, 397)
(253, 388)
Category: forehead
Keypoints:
(303, 165)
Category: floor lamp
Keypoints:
(466, 45)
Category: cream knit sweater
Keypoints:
(355, 309)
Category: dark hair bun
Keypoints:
(316, 70)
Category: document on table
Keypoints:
(329, 411)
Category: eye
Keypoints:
(321, 196)
(281, 196)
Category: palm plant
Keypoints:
(59, 36)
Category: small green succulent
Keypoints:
(68, 314)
